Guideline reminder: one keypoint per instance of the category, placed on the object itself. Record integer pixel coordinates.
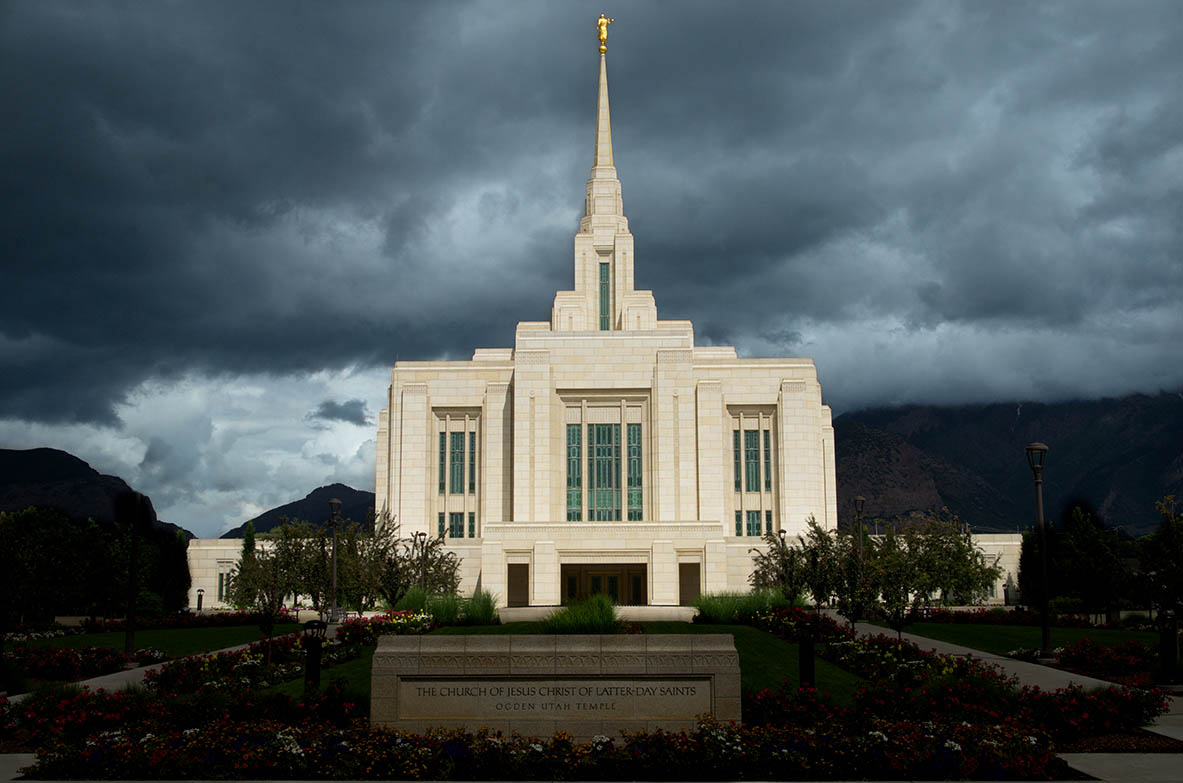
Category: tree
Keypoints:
(242, 577)
(779, 566)
(855, 587)
(895, 575)
(949, 566)
(820, 555)
(268, 577)
(1164, 558)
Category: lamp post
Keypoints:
(200, 597)
(421, 542)
(1036, 454)
(334, 520)
(859, 501)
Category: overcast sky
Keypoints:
(224, 222)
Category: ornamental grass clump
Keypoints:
(595, 615)
(445, 608)
(481, 609)
(731, 607)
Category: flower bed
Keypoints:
(910, 682)
(1017, 616)
(266, 749)
(366, 630)
(1127, 663)
(66, 664)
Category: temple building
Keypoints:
(605, 452)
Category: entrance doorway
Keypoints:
(625, 583)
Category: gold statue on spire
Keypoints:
(603, 23)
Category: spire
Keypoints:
(603, 121)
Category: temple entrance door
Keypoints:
(625, 583)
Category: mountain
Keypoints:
(356, 505)
(1117, 455)
(57, 479)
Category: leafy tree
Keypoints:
(1087, 563)
(1164, 557)
(855, 588)
(895, 574)
(242, 579)
(819, 554)
(949, 566)
(779, 566)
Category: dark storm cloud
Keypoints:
(351, 411)
(228, 188)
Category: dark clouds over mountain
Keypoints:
(211, 203)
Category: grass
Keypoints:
(1001, 639)
(728, 607)
(764, 660)
(175, 642)
(356, 674)
(597, 614)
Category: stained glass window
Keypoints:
(456, 483)
(634, 472)
(443, 459)
(471, 463)
(736, 461)
(574, 478)
(751, 448)
(767, 461)
(605, 301)
(753, 523)
(603, 492)
(456, 524)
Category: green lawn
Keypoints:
(175, 642)
(1000, 639)
(356, 674)
(764, 660)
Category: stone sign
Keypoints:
(537, 685)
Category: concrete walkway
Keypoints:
(1131, 767)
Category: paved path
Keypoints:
(1132, 767)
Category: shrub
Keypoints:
(595, 615)
(727, 608)
(415, 600)
(481, 609)
(445, 609)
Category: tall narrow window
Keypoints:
(456, 524)
(753, 523)
(767, 522)
(441, 524)
(574, 478)
(443, 460)
(221, 587)
(751, 448)
(634, 472)
(456, 482)
(603, 492)
(767, 461)
(472, 524)
(738, 523)
(736, 461)
(471, 463)
(605, 301)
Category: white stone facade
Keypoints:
(605, 451)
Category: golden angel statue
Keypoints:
(603, 23)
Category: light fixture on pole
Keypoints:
(1036, 455)
(334, 520)
(421, 542)
(859, 502)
